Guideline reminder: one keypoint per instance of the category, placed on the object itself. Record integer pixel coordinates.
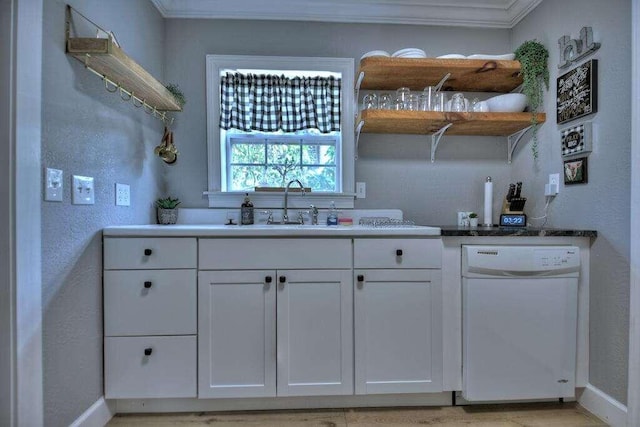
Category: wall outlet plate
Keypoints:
(123, 195)
(462, 216)
(361, 190)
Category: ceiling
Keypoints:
(466, 13)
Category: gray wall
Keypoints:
(604, 203)
(396, 168)
(88, 131)
(6, 225)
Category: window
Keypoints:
(240, 160)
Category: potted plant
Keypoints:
(473, 219)
(533, 57)
(167, 210)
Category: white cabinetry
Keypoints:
(150, 317)
(398, 316)
(254, 290)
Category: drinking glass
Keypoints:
(428, 102)
(370, 101)
(403, 94)
(412, 103)
(441, 102)
(458, 103)
(385, 101)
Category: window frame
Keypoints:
(228, 199)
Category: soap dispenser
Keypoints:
(246, 211)
(332, 218)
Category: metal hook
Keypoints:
(124, 98)
(135, 104)
(106, 85)
(147, 108)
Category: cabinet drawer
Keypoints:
(150, 302)
(397, 253)
(168, 371)
(149, 253)
(249, 254)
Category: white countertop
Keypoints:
(200, 230)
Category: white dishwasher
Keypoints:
(519, 322)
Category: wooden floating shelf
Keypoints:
(467, 75)
(103, 56)
(430, 122)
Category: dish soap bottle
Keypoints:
(246, 211)
(332, 218)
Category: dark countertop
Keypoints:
(454, 230)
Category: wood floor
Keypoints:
(514, 415)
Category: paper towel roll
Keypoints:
(488, 203)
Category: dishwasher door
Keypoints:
(519, 333)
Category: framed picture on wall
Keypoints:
(577, 92)
(575, 171)
(576, 140)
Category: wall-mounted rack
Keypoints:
(103, 57)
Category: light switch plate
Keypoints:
(123, 194)
(361, 190)
(53, 185)
(82, 191)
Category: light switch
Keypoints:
(82, 191)
(53, 186)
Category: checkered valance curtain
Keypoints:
(270, 103)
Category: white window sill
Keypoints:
(275, 200)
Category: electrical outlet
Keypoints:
(553, 186)
(462, 217)
(361, 190)
(123, 195)
(82, 191)
(53, 185)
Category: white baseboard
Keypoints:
(98, 415)
(604, 406)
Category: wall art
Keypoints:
(576, 140)
(575, 171)
(573, 50)
(577, 92)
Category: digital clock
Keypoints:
(513, 220)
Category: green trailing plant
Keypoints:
(177, 94)
(533, 57)
(167, 203)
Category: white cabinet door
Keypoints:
(315, 332)
(398, 331)
(236, 333)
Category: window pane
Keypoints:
(319, 178)
(247, 153)
(244, 178)
(319, 154)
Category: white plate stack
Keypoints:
(375, 53)
(410, 52)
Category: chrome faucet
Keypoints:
(285, 214)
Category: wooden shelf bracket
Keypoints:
(513, 140)
(359, 127)
(435, 140)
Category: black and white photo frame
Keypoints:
(577, 92)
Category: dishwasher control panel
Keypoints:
(504, 260)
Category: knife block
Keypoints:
(514, 206)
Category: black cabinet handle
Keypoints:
(148, 351)
(282, 279)
(398, 252)
(147, 284)
(148, 252)
(268, 279)
(360, 277)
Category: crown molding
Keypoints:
(463, 13)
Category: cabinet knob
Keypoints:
(148, 252)
(360, 277)
(398, 252)
(282, 279)
(148, 351)
(268, 279)
(147, 284)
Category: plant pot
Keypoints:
(167, 216)
(473, 222)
